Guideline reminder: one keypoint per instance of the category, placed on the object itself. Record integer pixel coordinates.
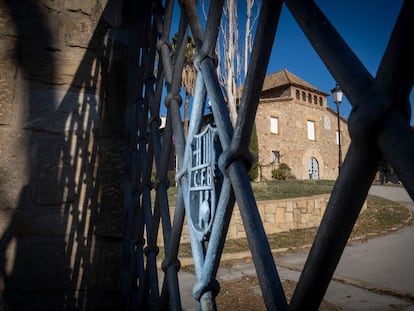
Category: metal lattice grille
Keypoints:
(379, 126)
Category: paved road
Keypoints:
(381, 263)
(392, 193)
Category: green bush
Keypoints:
(170, 177)
(279, 174)
(283, 172)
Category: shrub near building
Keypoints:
(283, 172)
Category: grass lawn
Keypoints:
(283, 189)
(279, 189)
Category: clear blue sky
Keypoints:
(366, 26)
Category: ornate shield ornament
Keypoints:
(204, 181)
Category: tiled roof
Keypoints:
(283, 78)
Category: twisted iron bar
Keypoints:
(380, 113)
(379, 128)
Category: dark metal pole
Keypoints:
(343, 208)
(339, 139)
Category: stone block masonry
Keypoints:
(277, 216)
(62, 97)
(284, 215)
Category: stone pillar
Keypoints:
(61, 166)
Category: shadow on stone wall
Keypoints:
(61, 246)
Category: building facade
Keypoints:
(296, 127)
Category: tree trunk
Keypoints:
(247, 36)
(230, 83)
(186, 104)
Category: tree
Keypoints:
(233, 69)
(188, 76)
(188, 79)
(229, 70)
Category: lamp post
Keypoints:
(337, 95)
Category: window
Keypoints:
(304, 96)
(320, 101)
(315, 99)
(297, 94)
(310, 98)
(337, 137)
(311, 130)
(275, 156)
(274, 125)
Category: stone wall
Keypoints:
(284, 215)
(277, 216)
(62, 91)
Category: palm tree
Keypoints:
(188, 76)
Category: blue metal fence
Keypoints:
(213, 162)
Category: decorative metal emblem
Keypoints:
(204, 181)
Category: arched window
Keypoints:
(304, 96)
(315, 99)
(297, 94)
(310, 98)
(320, 101)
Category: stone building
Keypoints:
(296, 127)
